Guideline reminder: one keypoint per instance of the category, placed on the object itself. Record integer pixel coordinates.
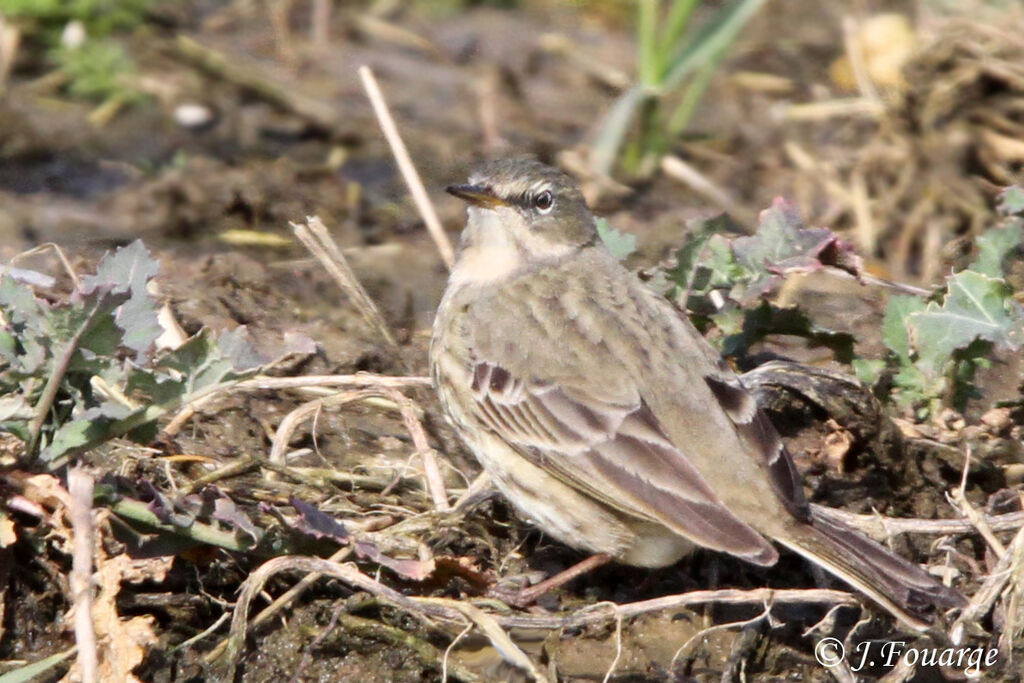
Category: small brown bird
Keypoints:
(605, 417)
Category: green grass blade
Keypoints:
(31, 672)
(649, 63)
(712, 39)
(692, 96)
(612, 130)
(675, 25)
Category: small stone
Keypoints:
(1014, 474)
(193, 116)
(998, 420)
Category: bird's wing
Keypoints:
(614, 449)
(762, 439)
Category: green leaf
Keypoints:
(87, 430)
(868, 370)
(714, 37)
(621, 244)
(782, 245)
(612, 131)
(1011, 201)
(690, 257)
(993, 247)
(129, 270)
(33, 671)
(914, 386)
(894, 324)
(768, 319)
(975, 307)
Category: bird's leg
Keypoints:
(527, 596)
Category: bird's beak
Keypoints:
(477, 195)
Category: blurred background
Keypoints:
(204, 127)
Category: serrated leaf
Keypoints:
(1011, 201)
(90, 428)
(993, 247)
(782, 245)
(620, 244)
(894, 324)
(236, 345)
(18, 304)
(128, 270)
(976, 307)
(696, 262)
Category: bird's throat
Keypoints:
(488, 252)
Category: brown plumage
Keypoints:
(605, 417)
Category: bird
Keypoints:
(606, 419)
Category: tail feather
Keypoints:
(904, 589)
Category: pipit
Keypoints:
(605, 417)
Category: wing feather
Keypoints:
(617, 452)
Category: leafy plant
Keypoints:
(79, 372)
(938, 345)
(620, 244)
(669, 51)
(99, 70)
(719, 277)
(96, 67)
(47, 18)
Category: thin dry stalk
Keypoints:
(727, 596)
(605, 74)
(855, 54)
(1013, 623)
(677, 169)
(490, 628)
(985, 597)
(405, 165)
(10, 38)
(766, 614)
(829, 109)
(348, 573)
(409, 412)
(68, 268)
(360, 379)
(320, 24)
(866, 230)
(307, 382)
(481, 483)
(456, 612)
(314, 236)
(486, 87)
(285, 599)
(80, 487)
(431, 471)
(321, 114)
(959, 497)
(882, 528)
(293, 419)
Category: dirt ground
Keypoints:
(467, 81)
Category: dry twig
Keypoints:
(314, 236)
(405, 165)
(80, 487)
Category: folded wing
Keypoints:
(616, 451)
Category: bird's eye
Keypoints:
(544, 201)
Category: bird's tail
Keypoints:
(904, 589)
